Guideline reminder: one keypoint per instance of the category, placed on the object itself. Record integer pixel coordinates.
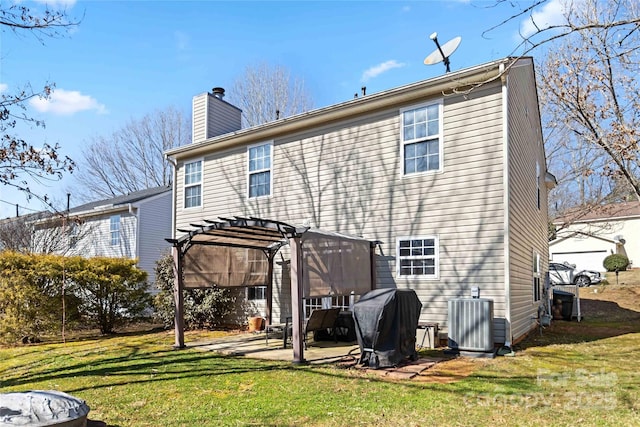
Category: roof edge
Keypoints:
(386, 99)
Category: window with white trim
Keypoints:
(421, 137)
(537, 287)
(256, 293)
(114, 229)
(193, 184)
(259, 170)
(417, 257)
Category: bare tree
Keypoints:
(131, 159)
(22, 161)
(46, 23)
(620, 16)
(266, 92)
(44, 232)
(590, 95)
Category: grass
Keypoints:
(583, 373)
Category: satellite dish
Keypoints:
(442, 53)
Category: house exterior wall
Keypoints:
(347, 177)
(154, 226)
(579, 247)
(96, 240)
(526, 227)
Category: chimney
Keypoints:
(213, 116)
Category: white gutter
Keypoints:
(505, 179)
(174, 163)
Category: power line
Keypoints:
(18, 206)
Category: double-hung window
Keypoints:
(114, 229)
(421, 137)
(537, 286)
(193, 184)
(259, 157)
(417, 257)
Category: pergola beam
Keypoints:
(248, 233)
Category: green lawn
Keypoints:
(583, 373)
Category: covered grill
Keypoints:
(386, 321)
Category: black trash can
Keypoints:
(563, 300)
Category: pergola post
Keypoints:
(297, 310)
(372, 260)
(178, 296)
(270, 255)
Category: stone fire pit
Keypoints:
(42, 408)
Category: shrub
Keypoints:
(616, 262)
(113, 291)
(106, 292)
(31, 289)
(203, 308)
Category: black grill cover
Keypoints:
(386, 321)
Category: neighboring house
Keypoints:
(449, 174)
(586, 238)
(131, 226)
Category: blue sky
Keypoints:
(129, 58)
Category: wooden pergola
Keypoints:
(193, 257)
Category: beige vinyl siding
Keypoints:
(527, 223)
(199, 120)
(222, 117)
(346, 177)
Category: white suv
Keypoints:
(566, 274)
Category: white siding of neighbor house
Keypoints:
(96, 239)
(527, 225)
(154, 226)
(346, 177)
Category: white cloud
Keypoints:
(58, 3)
(552, 13)
(3, 87)
(376, 70)
(182, 40)
(67, 102)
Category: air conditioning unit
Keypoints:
(471, 324)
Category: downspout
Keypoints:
(176, 253)
(505, 180)
(174, 163)
(133, 214)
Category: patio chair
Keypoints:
(321, 319)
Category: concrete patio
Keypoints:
(254, 345)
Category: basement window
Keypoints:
(417, 257)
